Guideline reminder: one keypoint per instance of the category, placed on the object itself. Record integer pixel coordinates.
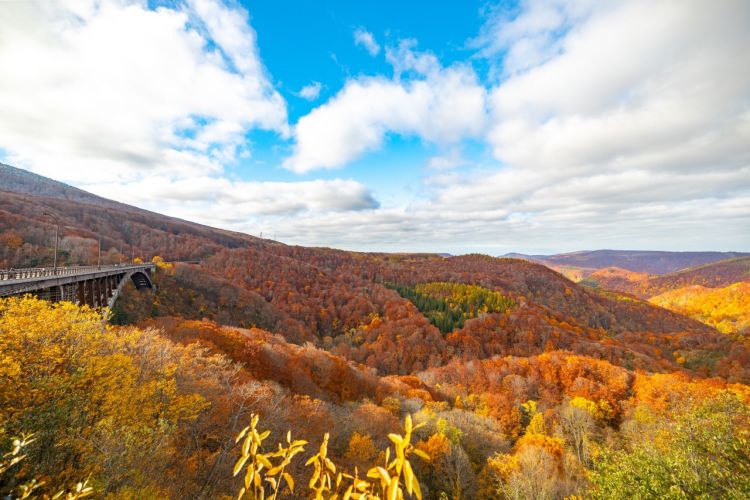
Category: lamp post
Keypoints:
(57, 233)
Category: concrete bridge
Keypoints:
(96, 286)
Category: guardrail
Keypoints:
(43, 272)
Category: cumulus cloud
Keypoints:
(633, 124)
(311, 91)
(671, 99)
(107, 89)
(365, 39)
(612, 124)
(439, 105)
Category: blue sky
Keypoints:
(306, 42)
(535, 126)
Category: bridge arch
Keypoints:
(141, 280)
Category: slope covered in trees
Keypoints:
(522, 382)
(154, 413)
(727, 309)
(449, 305)
(715, 275)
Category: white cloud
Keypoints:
(615, 124)
(365, 39)
(630, 130)
(440, 105)
(448, 160)
(522, 38)
(673, 98)
(111, 89)
(238, 204)
(311, 91)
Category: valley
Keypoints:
(520, 378)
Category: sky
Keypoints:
(538, 126)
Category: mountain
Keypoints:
(653, 262)
(714, 275)
(503, 362)
(126, 231)
(342, 301)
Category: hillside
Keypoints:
(652, 262)
(338, 300)
(496, 357)
(715, 275)
(27, 235)
(153, 412)
(727, 308)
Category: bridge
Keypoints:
(96, 286)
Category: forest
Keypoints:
(262, 370)
(158, 411)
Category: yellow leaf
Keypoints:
(262, 459)
(417, 489)
(289, 481)
(314, 479)
(241, 434)
(239, 464)
(396, 439)
(274, 471)
(383, 474)
(393, 489)
(408, 476)
(249, 477)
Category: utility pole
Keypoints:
(57, 234)
(99, 256)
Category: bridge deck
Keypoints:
(17, 281)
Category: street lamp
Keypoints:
(57, 232)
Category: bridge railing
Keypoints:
(43, 272)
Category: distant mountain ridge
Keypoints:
(712, 275)
(641, 261)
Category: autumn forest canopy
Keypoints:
(260, 369)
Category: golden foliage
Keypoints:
(102, 402)
(727, 309)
